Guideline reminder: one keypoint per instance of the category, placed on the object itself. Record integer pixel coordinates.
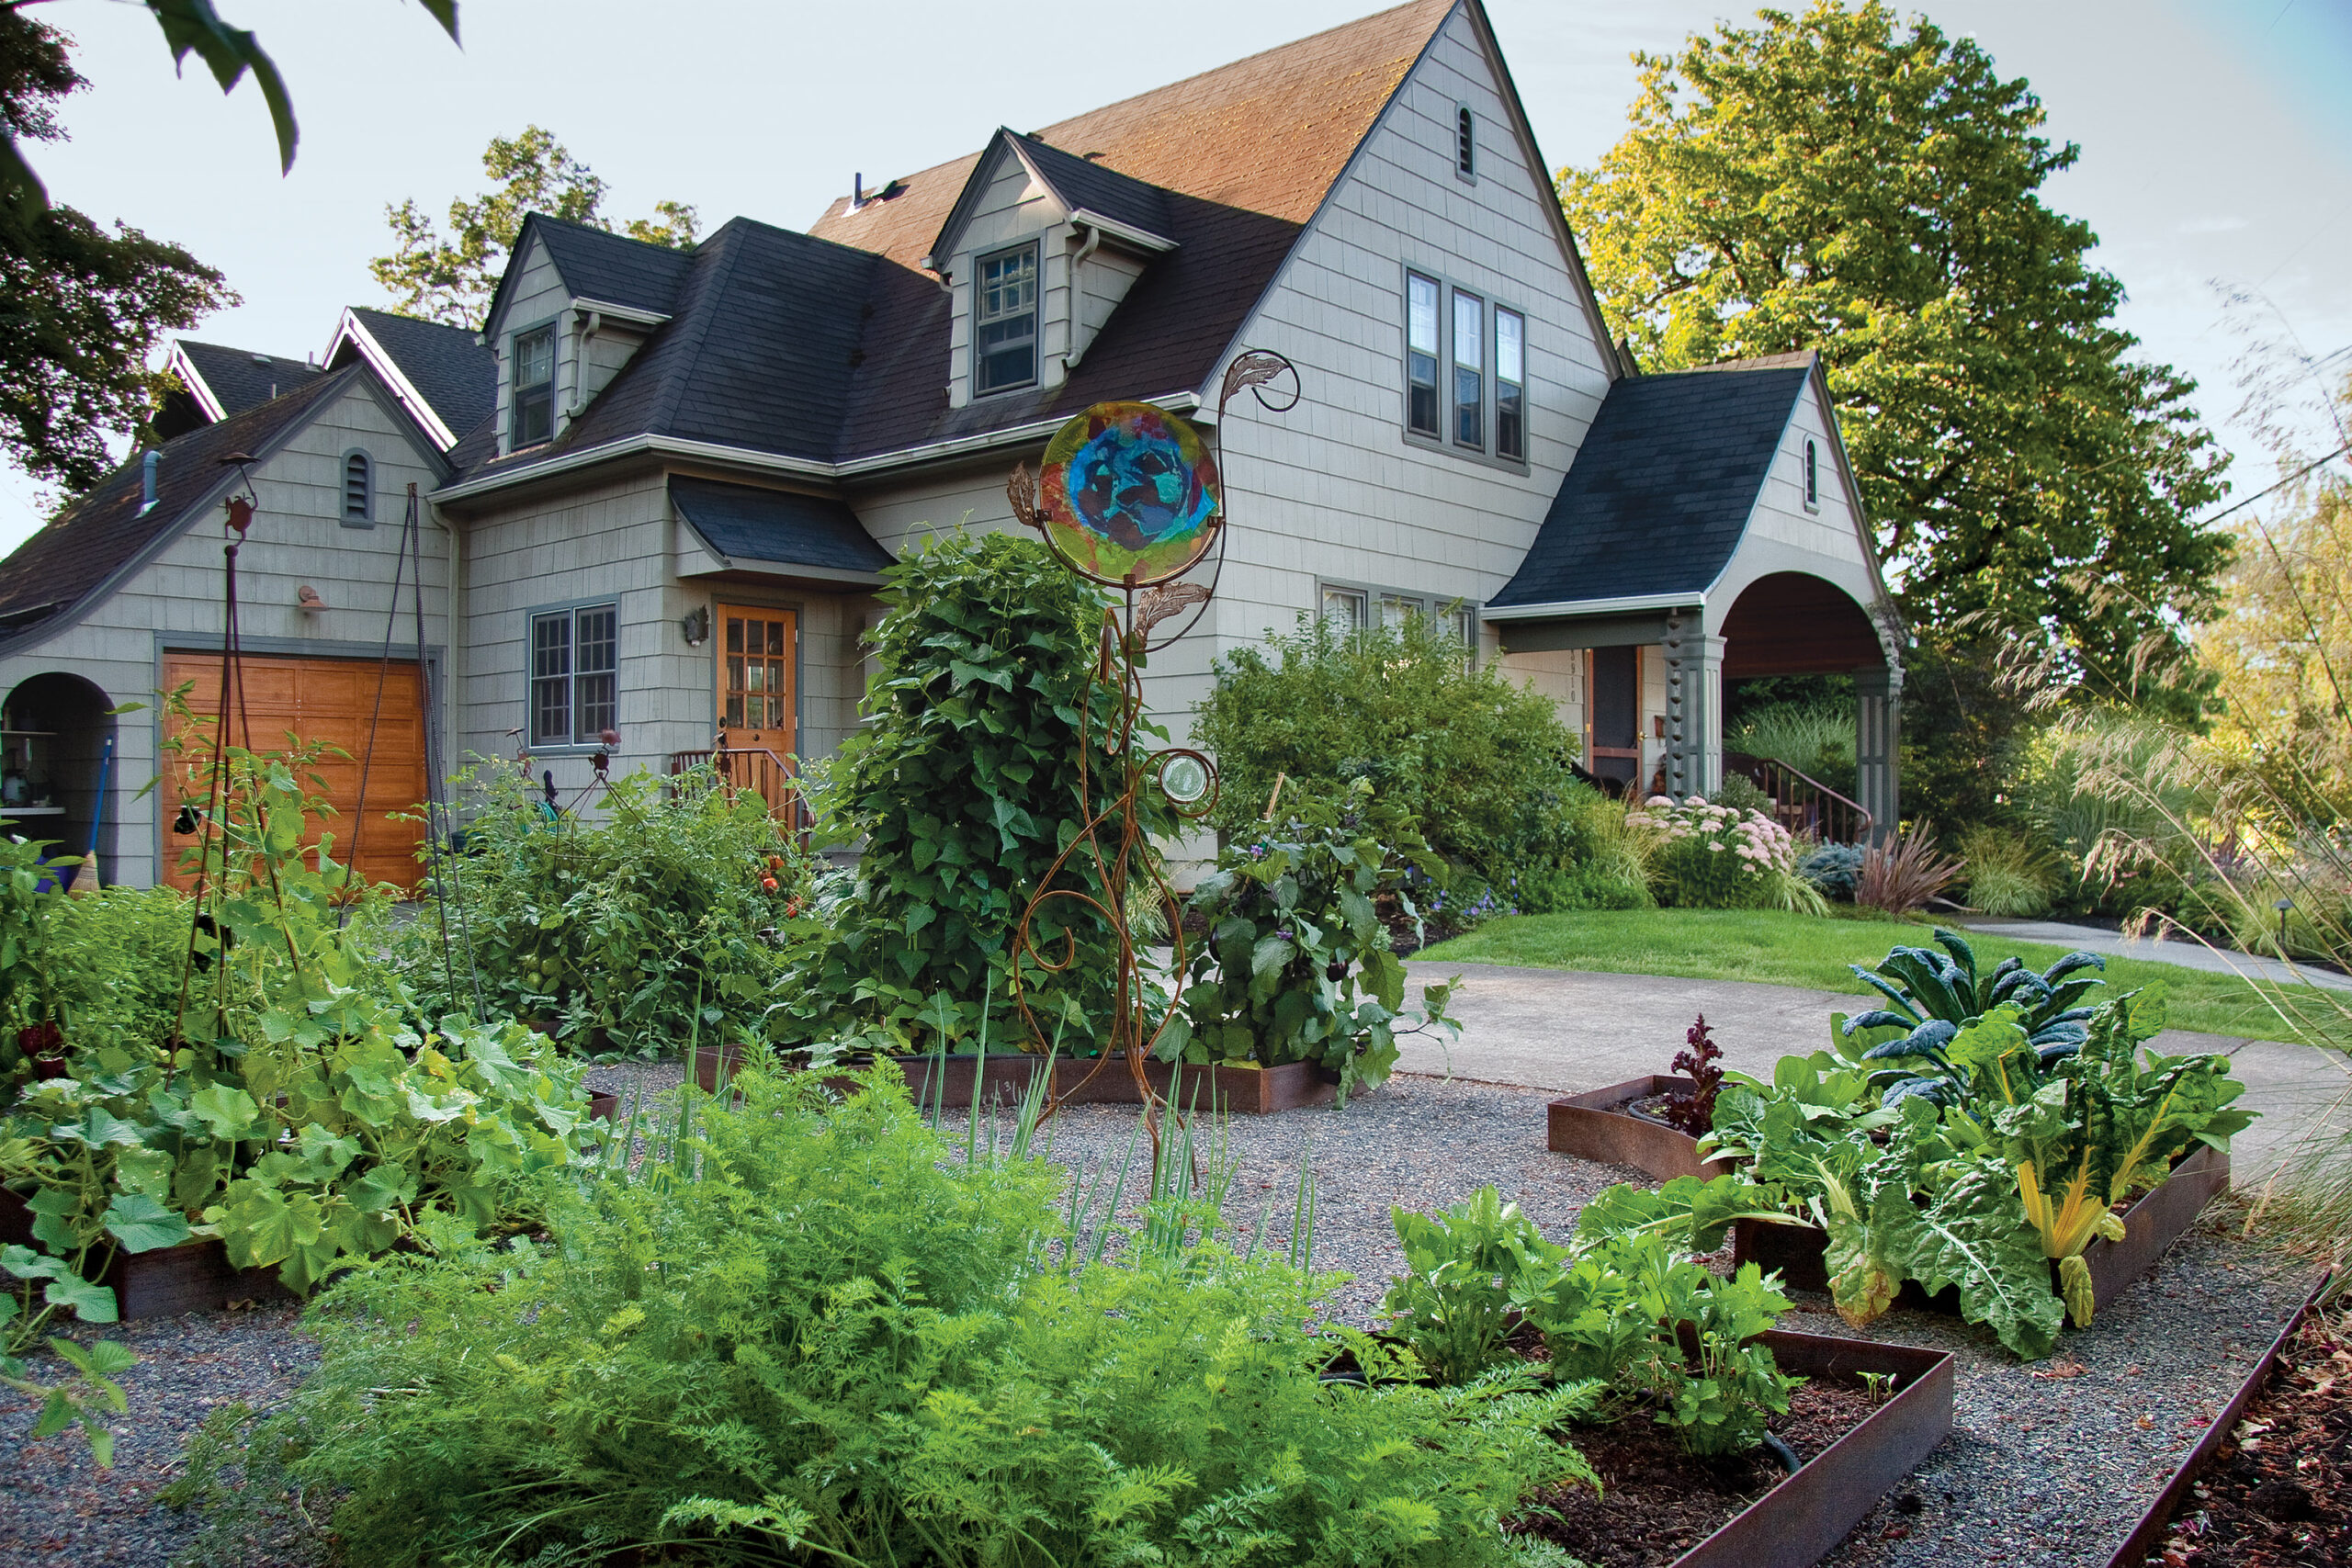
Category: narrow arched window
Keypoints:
(358, 489)
(1465, 145)
(1811, 474)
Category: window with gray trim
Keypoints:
(1469, 371)
(358, 489)
(531, 418)
(1004, 320)
(575, 665)
(1510, 385)
(1421, 415)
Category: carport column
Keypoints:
(1877, 741)
(1694, 702)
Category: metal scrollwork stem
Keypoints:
(1112, 840)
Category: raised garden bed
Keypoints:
(193, 1276)
(1083, 1082)
(1797, 1521)
(2273, 1499)
(2150, 1227)
(1601, 1126)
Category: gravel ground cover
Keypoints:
(2049, 1464)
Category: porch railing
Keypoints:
(754, 770)
(1802, 804)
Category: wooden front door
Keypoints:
(326, 700)
(759, 696)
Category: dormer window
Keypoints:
(1004, 328)
(532, 420)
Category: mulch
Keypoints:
(1656, 1502)
(2278, 1494)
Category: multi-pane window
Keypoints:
(533, 416)
(759, 678)
(358, 489)
(1420, 355)
(1469, 370)
(575, 664)
(1465, 626)
(1004, 340)
(1510, 385)
(1343, 608)
(1465, 143)
(1395, 609)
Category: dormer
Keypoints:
(1038, 250)
(574, 305)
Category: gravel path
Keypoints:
(2040, 1469)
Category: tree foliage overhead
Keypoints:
(451, 280)
(82, 311)
(189, 26)
(1843, 182)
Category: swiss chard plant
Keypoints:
(1298, 965)
(2087, 1132)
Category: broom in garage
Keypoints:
(81, 878)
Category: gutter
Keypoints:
(773, 463)
(1694, 600)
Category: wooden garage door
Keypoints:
(328, 700)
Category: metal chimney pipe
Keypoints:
(147, 480)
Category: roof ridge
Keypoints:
(603, 234)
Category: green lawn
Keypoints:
(1777, 949)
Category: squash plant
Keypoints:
(1297, 966)
(294, 1109)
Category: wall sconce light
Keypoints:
(308, 598)
(695, 623)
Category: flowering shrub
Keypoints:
(1714, 857)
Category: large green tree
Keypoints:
(1844, 181)
(81, 310)
(451, 281)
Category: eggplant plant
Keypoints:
(1936, 995)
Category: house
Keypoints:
(688, 469)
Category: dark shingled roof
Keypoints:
(832, 346)
(240, 379)
(610, 269)
(1661, 491)
(55, 571)
(453, 371)
(745, 524)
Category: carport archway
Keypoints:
(1792, 623)
(56, 732)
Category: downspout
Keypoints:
(580, 364)
(1093, 238)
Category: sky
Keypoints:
(2216, 135)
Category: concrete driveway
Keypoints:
(1569, 1031)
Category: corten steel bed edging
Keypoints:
(2148, 1535)
(1801, 1520)
(1252, 1092)
(1596, 1125)
(2150, 1227)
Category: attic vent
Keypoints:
(1465, 143)
(358, 489)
